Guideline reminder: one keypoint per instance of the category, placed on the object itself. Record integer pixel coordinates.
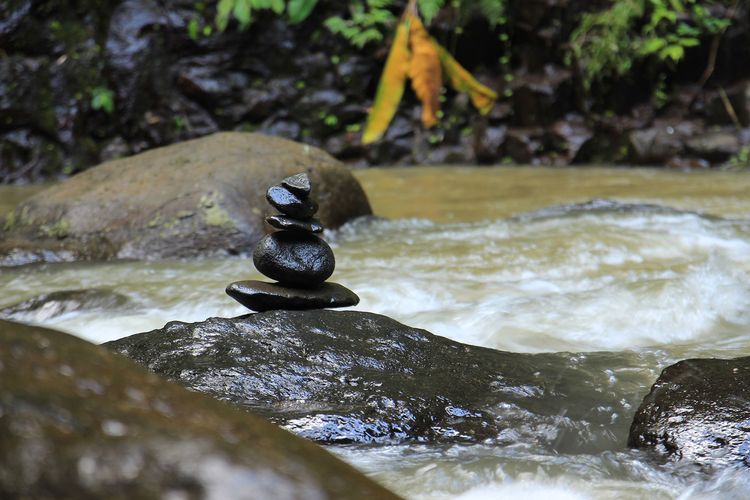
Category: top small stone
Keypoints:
(298, 184)
(288, 203)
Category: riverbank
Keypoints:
(95, 81)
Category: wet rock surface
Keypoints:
(49, 305)
(298, 184)
(79, 423)
(698, 411)
(198, 198)
(344, 376)
(281, 222)
(287, 202)
(294, 258)
(262, 296)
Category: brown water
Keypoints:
(452, 194)
(656, 269)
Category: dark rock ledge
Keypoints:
(698, 411)
(340, 377)
(78, 423)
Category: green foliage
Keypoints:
(193, 29)
(667, 36)
(492, 10)
(607, 43)
(103, 98)
(299, 10)
(180, 123)
(660, 95)
(429, 9)
(331, 120)
(739, 161)
(242, 10)
(366, 22)
(600, 43)
(369, 19)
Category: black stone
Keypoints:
(261, 296)
(294, 258)
(290, 204)
(698, 411)
(298, 184)
(350, 376)
(291, 224)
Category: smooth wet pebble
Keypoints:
(294, 258)
(290, 204)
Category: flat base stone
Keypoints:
(263, 296)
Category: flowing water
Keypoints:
(652, 265)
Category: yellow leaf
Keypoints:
(390, 87)
(461, 80)
(424, 70)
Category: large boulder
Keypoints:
(699, 411)
(201, 197)
(347, 376)
(78, 422)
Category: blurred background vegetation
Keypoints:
(660, 82)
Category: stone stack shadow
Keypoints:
(294, 256)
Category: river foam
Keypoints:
(603, 276)
(597, 276)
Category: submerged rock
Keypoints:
(339, 377)
(49, 305)
(201, 197)
(699, 411)
(78, 423)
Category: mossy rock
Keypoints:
(78, 422)
(203, 197)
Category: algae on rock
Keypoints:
(77, 422)
(144, 206)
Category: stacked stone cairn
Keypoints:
(294, 256)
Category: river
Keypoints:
(650, 265)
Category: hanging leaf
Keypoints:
(430, 8)
(461, 80)
(222, 13)
(278, 6)
(424, 71)
(391, 85)
(241, 12)
(298, 10)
